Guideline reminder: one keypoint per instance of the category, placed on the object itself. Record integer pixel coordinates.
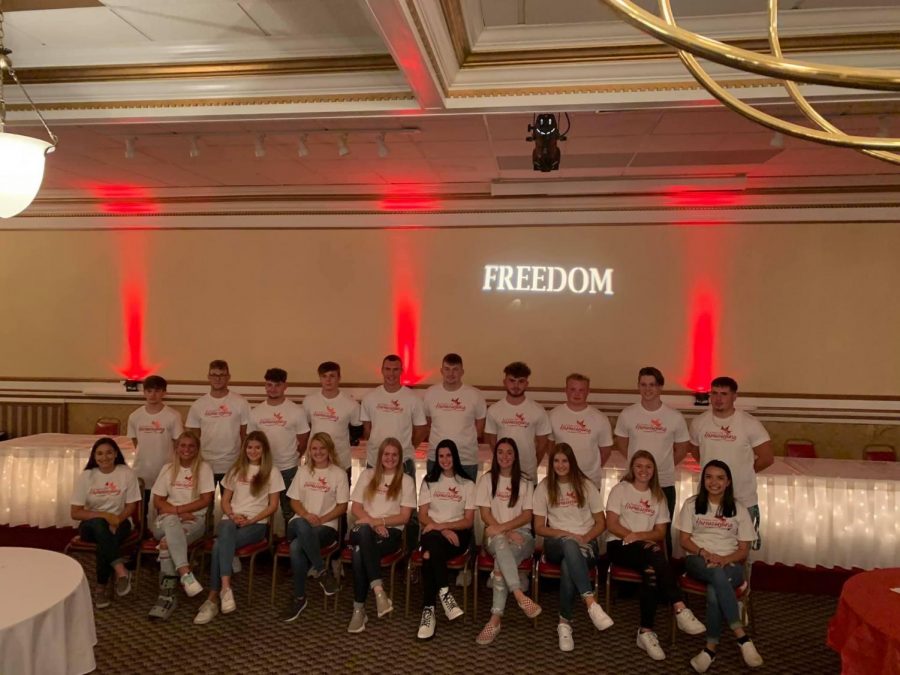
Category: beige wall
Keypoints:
(806, 308)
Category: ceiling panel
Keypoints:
(68, 28)
(177, 20)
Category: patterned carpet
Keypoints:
(790, 635)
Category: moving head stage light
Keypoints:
(545, 135)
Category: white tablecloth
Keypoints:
(46, 616)
(37, 474)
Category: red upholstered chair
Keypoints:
(388, 562)
(484, 562)
(150, 546)
(880, 452)
(107, 426)
(248, 551)
(693, 587)
(462, 563)
(283, 550)
(548, 570)
(624, 575)
(800, 447)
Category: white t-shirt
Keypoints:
(380, 506)
(499, 503)
(522, 423)
(220, 421)
(107, 492)
(717, 535)
(453, 415)
(448, 499)
(333, 416)
(566, 515)
(731, 440)
(586, 431)
(281, 424)
(243, 501)
(181, 490)
(391, 415)
(320, 490)
(153, 435)
(655, 431)
(638, 511)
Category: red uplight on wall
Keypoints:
(406, 302)
(683, 195)
(131, 255)
(702, 341)
(125, 200)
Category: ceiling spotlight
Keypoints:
(302, 150)
(194, 152)
(777, 140)
(129, 147)
(343, 150)
(545, 135)
(259, 149)
(382, 146)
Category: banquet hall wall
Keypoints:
(807, 309)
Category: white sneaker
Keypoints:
(649, 642)
(464, 578)
(448, 602)
(426, 625)
(688, 623)
(207, 613)
(702, 662)
(599, 618)
(227, 600)
(566, 643)
(751, 656)
(236, 566)
(190, 584)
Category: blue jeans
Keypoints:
(288, 476)
(720, 598)
(471, 470)
(107, 544)
(306, 544)
(229, 538)
(575, 576)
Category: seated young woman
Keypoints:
(251, 492)
(182, 493)
(716, 533)
(636, 519)
(446, 514)
(504, 498)
(383, 500)
(568, 514)
(319, 494)
(105, 497)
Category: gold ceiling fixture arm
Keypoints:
(689, 45)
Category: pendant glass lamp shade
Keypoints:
(21, 171)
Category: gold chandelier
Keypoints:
(790, 72)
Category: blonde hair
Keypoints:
(326, 440)
(655, 489)
(396, 485)
(576, 477)
(241, 466)
(195, 463)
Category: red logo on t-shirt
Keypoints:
(518, 420)
(723, 434)
(643, 507)
(319, 485)
(108, 488)
(451, 494)
(655, 427)
(221, 411)
(153, 428)
(578, 428)
(455, 404)
(329, 414)
(393, 407)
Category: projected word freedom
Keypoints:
(541, 279)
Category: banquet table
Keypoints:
(865, 629)
(46, 616)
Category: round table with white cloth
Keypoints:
(46, 615)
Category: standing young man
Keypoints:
(455, 411)
(220, 419)
(735, 437)
(392, 410)
(651, 425)
(518, 417)
(284, 424)
(332, 411)
(153, 429)
(584, 428)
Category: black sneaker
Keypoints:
(328, 583)
(293, 611)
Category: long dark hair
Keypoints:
(727, 508)
(435, 474)
(106, 440)
(515, 476)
